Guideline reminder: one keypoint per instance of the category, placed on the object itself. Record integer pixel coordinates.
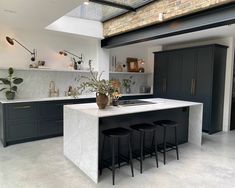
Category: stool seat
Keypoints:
(143, 127)
(166, 123)
(117, 132)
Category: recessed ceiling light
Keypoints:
(86, 3)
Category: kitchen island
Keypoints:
(83, 124)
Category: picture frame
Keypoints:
(132, 64)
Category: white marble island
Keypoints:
(82, 124)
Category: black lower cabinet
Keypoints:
(22, 122)
(50, 128)
(21, 129)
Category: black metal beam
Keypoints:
(215, 17)
(112, 4)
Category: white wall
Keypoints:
(229, 41)
(78, 26)
(135, 51)
(48, 44)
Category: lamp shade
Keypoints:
(10, 40)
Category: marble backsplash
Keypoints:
(36, 83)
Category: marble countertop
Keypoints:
(160, 104)
(5, 101)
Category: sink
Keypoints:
(134, 102)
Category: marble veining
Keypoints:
(81, 125)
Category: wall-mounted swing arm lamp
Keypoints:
(65, 53)
(11, 41)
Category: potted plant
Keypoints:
(100, 86)
(115, 96)
(10, 83)
(126, 83)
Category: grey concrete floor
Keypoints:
(41, 164)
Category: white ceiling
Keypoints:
(34, 14)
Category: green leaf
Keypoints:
(10, 71)
(3, 89)
(18, 81)
(5, 81)
(14, 88)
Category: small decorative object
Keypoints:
(100, 86)
(132, 64)
(126, 83)
(11, 42)
(141, 63)
(115, 95)
(41, 63)
(124, 68)
(119, 68)
(10, 82)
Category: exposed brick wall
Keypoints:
(149, 14)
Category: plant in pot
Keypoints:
(126, 83)
(10, 83)
(100, 86)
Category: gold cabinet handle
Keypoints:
(191, 91)
(193, 87)
(22, 107)
(164, 82)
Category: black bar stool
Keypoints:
(143, 128)
(168, 146)
(117, 134)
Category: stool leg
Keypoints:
(102, 156)
(143, 145)
(164, 149)
(130, 155)
(141, 151)
(113, 160)
(119, 153)
(155, 141)
(153, 144)
(176, 143)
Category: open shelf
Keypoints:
(47, 70)
(135, 73)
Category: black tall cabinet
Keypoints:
(194, 74)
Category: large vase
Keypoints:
(101, 100)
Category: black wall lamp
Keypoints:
(33, 53)
(76, 63)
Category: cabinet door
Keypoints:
(50, 127)
(204, 79)
(21, 129)
(160, 74)
(174, 75)
(188, 79)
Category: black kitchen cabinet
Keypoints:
(22, 122)
(160, 77)
(194, 74)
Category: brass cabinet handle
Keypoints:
(164, 82)
(193, 87)
(191, 91)
(22, 107)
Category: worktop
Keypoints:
(83, 125)
(87, 96)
